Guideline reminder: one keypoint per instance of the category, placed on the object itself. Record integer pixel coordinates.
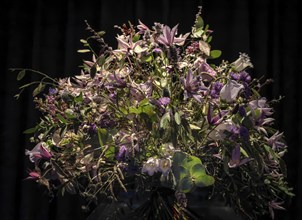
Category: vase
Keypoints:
(198, 207)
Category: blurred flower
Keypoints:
(151, 166)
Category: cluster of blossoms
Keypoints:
(155, 112)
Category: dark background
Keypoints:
(44, 35)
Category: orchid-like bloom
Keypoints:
(242, 63)
(126, 45)
(168, 38)
(193, 87)
(235, 160)
(275, 142)
(275, 205)
(33, 175)
(142, 27)
(262, 105)
(216, 119)
(38, 152)
(141, 91)
(151, 166)
(230, 91)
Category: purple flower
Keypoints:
(38, 152)
(168, 38)
(235, 160)
(164, 101)
(193, 87)
(244, 133)
(216, 119)
(216, 88)
(52, 91)
(242, 111)
(141, 91)
(123, 153)
(276, 141)
(274, 205)
(142, 27)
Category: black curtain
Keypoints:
(44, 35)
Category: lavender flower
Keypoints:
(193, 87)
(230, 91)
(235, 160)
(168, 38)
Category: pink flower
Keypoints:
(38, 152)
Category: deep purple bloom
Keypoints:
(92, 129)
(242, 111)
(107, 121)
(215, 120)
(123, 153)
(235, 76)
(216, 88)
(244, 133)
(38, 152)
(235, 160)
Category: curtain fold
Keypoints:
(44, 35)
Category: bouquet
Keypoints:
(155, 113)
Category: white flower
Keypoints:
(219, 132)
(168, 149)
(242, 62)
(230, 91)
(164, 165)
(151, 166)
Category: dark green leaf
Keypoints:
(185, 185)
(93, 71)
(21, 74)
(30, 130)
(199, 23)
(101, 60)
(61, 119)
(203, 180)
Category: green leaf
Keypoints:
(101, 33)
(84, 51)
(199, 23)
(21, 74)
(203, 180)
(62, 119)
(165, 120)
(110, 153)
(194, 127)
(30, 130)
(177, 118)
(101, 60)
(39, 89)
(79, 98)
(247, 122)
(215, 54)
(83, 41)
(102, 136)
(136, 38)
(147, 58)
(185, 185)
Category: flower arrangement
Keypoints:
(156, 113)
